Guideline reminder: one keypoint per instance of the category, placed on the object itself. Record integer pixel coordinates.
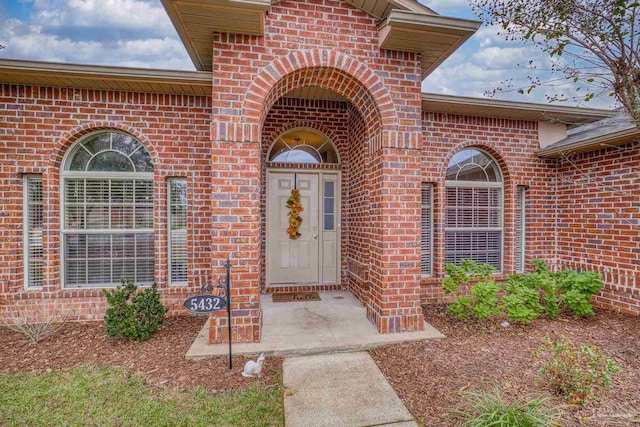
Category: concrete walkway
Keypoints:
(341, 390)
(337, 323)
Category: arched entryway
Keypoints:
(375, 194)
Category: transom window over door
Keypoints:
(474, 209)
(107, 220)
(303, 145)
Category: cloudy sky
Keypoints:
(111, 32)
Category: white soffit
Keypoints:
(483, 107)
(51, 74)
(382, 8)
(197, 20)
(435, 37)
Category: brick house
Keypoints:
(155, 175)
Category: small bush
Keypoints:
(131, 314)
(525, 297)
(484, 301)
(35, 325)
(490, 409)
(521, 301)
(578, 289)
(461, 308)
(573, 371)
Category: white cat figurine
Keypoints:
(252, 369)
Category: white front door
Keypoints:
(312, 257)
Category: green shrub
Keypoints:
(490, 410)
(456, 276)
(525, 297)
(554, 291)
(522, 299)
(131, 314)
(484, 293)
(484, 299)
(573, 371)
(578, 289)
(461, 308)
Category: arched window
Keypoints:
(473, 218)
(107, 219)
(303, 145)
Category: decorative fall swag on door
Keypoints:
(295, 207)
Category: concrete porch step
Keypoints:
(336, 324)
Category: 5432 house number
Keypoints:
(202, 304)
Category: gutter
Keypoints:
(594, 143)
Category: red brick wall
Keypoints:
(38, 125)
(358, 209)
(599, 221)
(514, 145)
(388, 146)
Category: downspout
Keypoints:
(556, 213)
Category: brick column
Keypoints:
(235, 210)
(394, 305)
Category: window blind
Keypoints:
(108, 231)
(426, 234)
(473, 225)
(177, 231)
(520, 228)
(33, 213)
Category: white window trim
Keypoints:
(521, 191)
(169, 217)
(26, 227)
(430, 186)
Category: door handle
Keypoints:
(315, 236)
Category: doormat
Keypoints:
(296, 296)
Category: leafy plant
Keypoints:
(525, 297)
(456, 276)
(461, 308)
(545, 280)
(574, 371)
(490, 409)
(578, 289)
(484, 301)
(528, 295)
(522, 298)
(131, 314)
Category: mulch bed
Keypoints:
(429, 377)
(160, 359)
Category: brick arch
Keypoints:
(268, 142)
(492, 151)
(326, 69)
(75, 134)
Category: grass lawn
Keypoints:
(86, 396)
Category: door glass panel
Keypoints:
(329, 206)
(328, 189)
(328, 223)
